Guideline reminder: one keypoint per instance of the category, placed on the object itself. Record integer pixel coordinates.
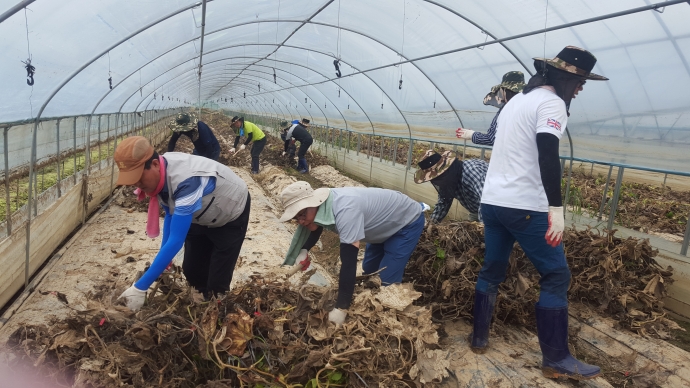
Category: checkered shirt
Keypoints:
(468, 192)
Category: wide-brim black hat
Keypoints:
(573, 60)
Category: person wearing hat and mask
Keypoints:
(453, 178)
(521, 201)
(298, 131)
(201, 135)
(512, 84)
(254, 134)
(388, 221)
(206, 209)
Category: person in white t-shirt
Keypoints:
(521, 201)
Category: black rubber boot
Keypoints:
(483, 311)
(552, 328)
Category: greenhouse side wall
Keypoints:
(60, 208)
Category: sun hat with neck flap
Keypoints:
(300, 195)
(130, 156)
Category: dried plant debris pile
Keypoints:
(640, 206)
(616, 277)
(263, 333)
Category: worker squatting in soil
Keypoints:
(517, 197)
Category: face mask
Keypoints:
(496, 98)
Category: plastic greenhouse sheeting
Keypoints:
(151, 49)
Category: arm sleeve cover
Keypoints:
(313, 238)
(178, 232)
(549, 167)
(348, 274)
(173, 141)
(166, 226)
(237, 141)
(249, 138)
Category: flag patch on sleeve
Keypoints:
(553, 124)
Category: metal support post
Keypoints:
(340, 139)
(395, 150)
(74, 135)
(482, 154)
(57, 142)
(664, 185)
(99, 138)
(562, 164)
(603, 199)
(409, 154)
(8, 206)
(381, 153)
(616, 195)
(686, 238)
(359, 143)
(369, 147)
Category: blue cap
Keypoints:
(295, 121)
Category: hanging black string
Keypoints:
(110, 77)
(338, 92)
(30, 69)
(305, 100)
(434, 98)
(336, 63)
(259, 87)
(245, 94)
(275, 78)
(400, 83)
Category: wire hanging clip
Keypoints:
(336, 63)
(30, 70)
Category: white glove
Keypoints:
(134, 298)
(232, 150)
(463, 133)
(554, 235)
(337, 316)
(302, 262)
(242, 147)
(283, 154)
(425, 207)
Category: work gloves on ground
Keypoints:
(337, 316)
(283, 154)
(302, 262)
(134, 298)
(463, 133)
(242, 147)
(232, 150)
(554, 235)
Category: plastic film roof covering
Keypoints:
(151, 50)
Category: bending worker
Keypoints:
(254, 134)
(388, 221)
(512, 84)
(206, 208)
(453, 178)
(298, 131)
(201, 135)
(522, 201)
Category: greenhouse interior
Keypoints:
(169, 168)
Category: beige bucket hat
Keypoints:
(300, 195)
(433, 165)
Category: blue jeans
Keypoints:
(502, 227)
(394, 253)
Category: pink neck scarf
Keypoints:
(153, 228)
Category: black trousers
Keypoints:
(256, 151)
(303, 147)
(210, 254)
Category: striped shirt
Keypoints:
(489, 137)
(188, 195)
(468, 192)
